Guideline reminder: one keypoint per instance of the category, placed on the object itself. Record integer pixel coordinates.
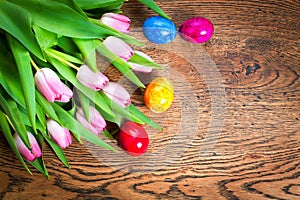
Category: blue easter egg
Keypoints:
(159, 30)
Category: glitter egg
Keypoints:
(159, 95)
(133, 138)
(159, 30)
(196, 30)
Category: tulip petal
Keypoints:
(97, 120)
(116, 100)
(52, 79)
(116, 21)
(117, 93)
(59, 134)
(95, 81)
(118, 47)
(97, 123)
(51, 86)
(117, 16)
(118, 25)
(80, 117)
(140, 68)
(35, 148)
(43, 87)
(65, 94)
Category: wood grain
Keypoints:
(256, 51)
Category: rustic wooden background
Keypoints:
(233, 131)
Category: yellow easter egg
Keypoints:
(159, 95)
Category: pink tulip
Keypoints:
(60, 135)
(118, 47)
(96, 125)
(95, 81)
(116, 21)
(141, 68)
(117, 94)
(49, 84)
(35, 148)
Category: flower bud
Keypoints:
(35, 148)
(60, 135)
(116, 21)
(96, 125)
(118, 47)
(95, 81)
(117, 94)
(141, 68)
(51, 87)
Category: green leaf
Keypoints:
(106, 116)
(26, 121)
(84, 104)
(10, 80)
(119, 63)
(107, 134)
(8, 135)
(136, 112)
(11, 109)
(127, 38)
(45, 38)
(117, 109)
(63, 56)
(63, 117)
(72, 111)
(17, 21)
(88, 50)
(98, 12)
(73, 125)
(41, 116)
(46, 106)
(74, 6)
(39, 164)
(138, 59)
(67, 44)
(22, 58)
(59, 18)
(57, 150)
(92, 4)
(153, 6)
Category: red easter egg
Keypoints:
(133, 138)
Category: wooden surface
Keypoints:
(233, 131)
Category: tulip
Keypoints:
(116, 21)
(35, 148)
(59, 134)
(141, 68)
(96, 125)
(118, 47)
(95, 81)
(117, 94)
(49, 84)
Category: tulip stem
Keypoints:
(63, 60)
(70, 64)
(34, 65)
(11, 124)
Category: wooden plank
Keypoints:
(255, 156)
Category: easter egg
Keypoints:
(133, 138)
(159, 95)
(159, 30)
(196, 30)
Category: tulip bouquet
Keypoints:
(51, 89)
